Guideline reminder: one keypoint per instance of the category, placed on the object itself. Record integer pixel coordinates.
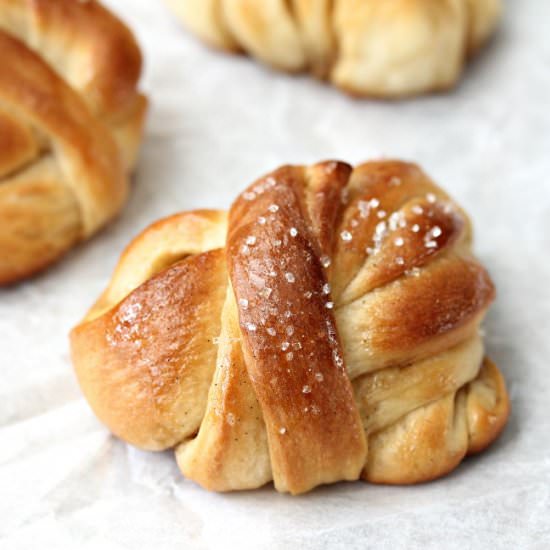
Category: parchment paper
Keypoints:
(218, 122)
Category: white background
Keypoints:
(217, 123)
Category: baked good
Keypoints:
(326, 329)
(71, 121)
(370, 48)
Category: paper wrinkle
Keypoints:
(218, 122)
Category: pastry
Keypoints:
(71, 121)
(326, 329)
(370, 48)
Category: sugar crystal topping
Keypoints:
(346, 236)
(325, 261)
(290, 277)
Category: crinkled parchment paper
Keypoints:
(217, 122)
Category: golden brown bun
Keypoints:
(71, 122)
(388, 49)
(326, 330)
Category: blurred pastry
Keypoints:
(71, 120)
(371, 48)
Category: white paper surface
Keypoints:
(218, 122)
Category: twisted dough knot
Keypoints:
(70, 124)
(328, 329)
(369, 47)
